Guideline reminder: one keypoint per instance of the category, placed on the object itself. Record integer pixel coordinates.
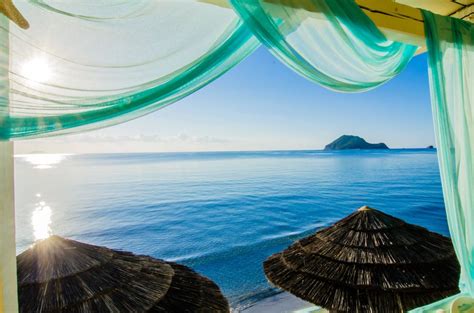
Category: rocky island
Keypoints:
(346, 142)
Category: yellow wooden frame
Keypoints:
(8, 9)
(399, 22)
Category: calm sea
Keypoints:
(221, 213)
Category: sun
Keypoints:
(37, 70)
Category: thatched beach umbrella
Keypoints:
(60, 275)
(368, 262)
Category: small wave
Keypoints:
(248, 300)
(249, 248)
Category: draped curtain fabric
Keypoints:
(330, 42)
(85, 64)
(451, 70)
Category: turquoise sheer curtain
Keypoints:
(330, 42)
(451, 70)
(85, 64)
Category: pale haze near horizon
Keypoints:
(262, 105)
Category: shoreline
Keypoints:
(280, 303)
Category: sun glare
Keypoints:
(41, 221)
(43, 160)
(37, 70)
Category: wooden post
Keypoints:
(8, 278)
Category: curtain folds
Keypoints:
(84, 64)
(451, 70)
(330, 42)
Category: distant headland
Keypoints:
(346, 142)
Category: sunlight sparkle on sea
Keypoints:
(43, 160)
(41, 220)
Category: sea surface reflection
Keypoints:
(41, 220)
(221, 213)
(43, 160)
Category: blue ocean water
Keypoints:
(222, 213)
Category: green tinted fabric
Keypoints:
(444, 304)
(85, 64)
(451, 68)
(330, 42)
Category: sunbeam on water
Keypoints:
(222, 213)
(41, 221)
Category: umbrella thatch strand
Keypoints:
(61, 275)
(368, 262)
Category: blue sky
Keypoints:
(262, 105)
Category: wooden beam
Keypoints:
(8, 280)
(441, 7)
(398, 22)
(466, 13)
(8, 9)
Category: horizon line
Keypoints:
(218, 151)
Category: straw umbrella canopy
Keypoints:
(61, 275)
(368, 262)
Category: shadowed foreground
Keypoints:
(61, 275)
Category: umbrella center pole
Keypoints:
(8, 278)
